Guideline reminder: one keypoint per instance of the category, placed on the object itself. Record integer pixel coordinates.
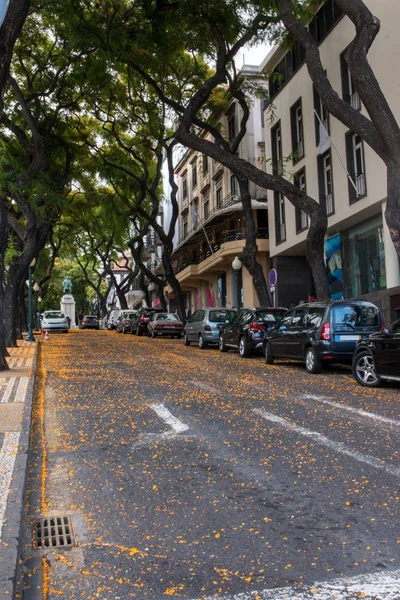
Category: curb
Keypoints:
(11, 539)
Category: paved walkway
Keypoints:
(16, 393)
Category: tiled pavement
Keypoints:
(16, 393)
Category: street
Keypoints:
(198, 474)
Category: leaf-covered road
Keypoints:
(195, 474)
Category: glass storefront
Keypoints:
(364, 258)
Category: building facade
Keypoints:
(211, 228)
(332, 164)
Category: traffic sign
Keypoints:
(272, 277)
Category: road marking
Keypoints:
(8, 454)
(336, 446)
(166, 416)
(372, 586)
(7, 393)
(356, 411)
(207, 388)
(21, 391)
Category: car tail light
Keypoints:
(207, 328)
(326, 332)
(256, 327)
(383, 326)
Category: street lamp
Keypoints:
(30, 337)
(237, 266)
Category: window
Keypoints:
(286, 319)
(350, 94)
(314, 317)
(184, 188)
(185, 228)
(355, 166)
(322, 114)
(276, 139)
(206, 207)
(301, 216)
(296, 119)
(218, 194)
(194, 175)
(280, 227)
(326, 182)
(298, 317)
(234, 186)
(205, 163)
(231, 127)
(195, 214)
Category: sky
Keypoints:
(253, 56)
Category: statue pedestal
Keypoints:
(68, 308)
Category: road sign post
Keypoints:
(272, 280)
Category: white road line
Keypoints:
(356, 411)
(21, 391)
(372, 586)
(7, 393)
(166, 416)
(8, 454)
(336, 446)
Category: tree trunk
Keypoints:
(392, 213)
(315, 250)
(174, 283)
(249, 255)
(3, 246)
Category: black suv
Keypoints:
(322, 332)
(247, 328)
(142, 318)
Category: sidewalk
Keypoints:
(16, 393)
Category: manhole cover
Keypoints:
(54, 532)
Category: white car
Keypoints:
(54, 320)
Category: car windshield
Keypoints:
(355, 315)
(271, 316)
(54, 315)
(130, 316)
(166, 317)
(220, 316)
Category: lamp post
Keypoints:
(30, 337)
(36, 289)
(237, 266)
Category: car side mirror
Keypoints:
(282, 327)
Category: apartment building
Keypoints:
(211, 228)
(338, 170)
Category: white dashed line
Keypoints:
(21, 391)
(8, 454)
(7, 393)
(324, 441)
(372, 586)
(166, 416)
(351, 409)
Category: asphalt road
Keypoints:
(198, 474)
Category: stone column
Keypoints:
(68, 308)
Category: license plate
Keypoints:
(348, 338)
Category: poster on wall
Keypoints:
(333, 257)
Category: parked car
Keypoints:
(204, 325)
(54, 320)
(377, 357)
(90, 322)
(163, 323)
(322, 332)
(139, 324)
(124, 322)
(114, 315)
(246, 330)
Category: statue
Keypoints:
(67, 286)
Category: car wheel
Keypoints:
(244, 349)
(139, 332)
(221, 345)
(202, 343)
(313, 363)
(364, 370)
(124, 329)
(269, 357)
(186, 339)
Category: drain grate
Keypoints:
(54, 532)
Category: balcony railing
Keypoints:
(229, 200)
(227, 236)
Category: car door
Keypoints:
(277, 335)
(293, 333)
(387, 353)
(230, 330)
(190, 326)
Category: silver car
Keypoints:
(204, 325)
(54, 320)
